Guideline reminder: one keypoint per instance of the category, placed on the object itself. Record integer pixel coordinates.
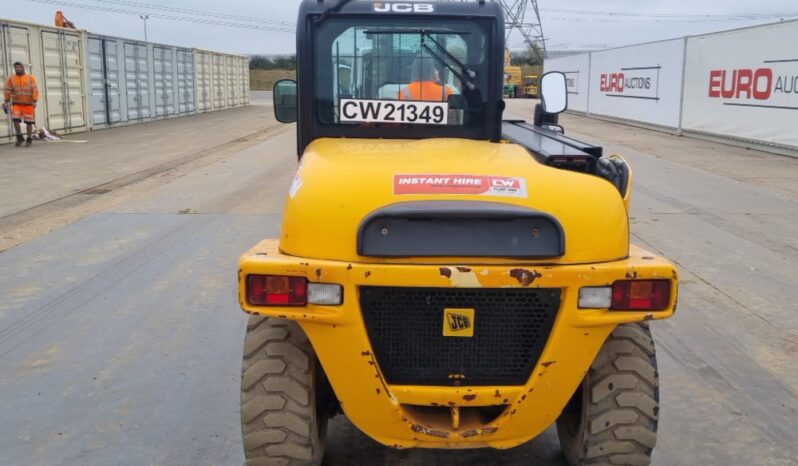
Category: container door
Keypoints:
(137, 81)
(185, 82)
(219, 94)
(54, 81)
(202, 74)
(163, 66)
(14, 47)
(232, 88)
(73, 81)
(191, 90)
(245, 64)
(97, 85)
(113, 78)
(5, 68)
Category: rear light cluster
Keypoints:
(279, 290)
(629, 295)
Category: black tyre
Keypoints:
(612, 417)
(280, 381)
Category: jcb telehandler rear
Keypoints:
(444, 278)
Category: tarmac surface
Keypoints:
(120, 336)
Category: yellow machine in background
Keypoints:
(531, 86)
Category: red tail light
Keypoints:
(275, 290)
(648, 295)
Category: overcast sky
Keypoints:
(563, 30)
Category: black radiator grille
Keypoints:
(405, 326)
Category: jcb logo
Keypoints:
(458, 322)
(385, 7)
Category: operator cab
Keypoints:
(396, 70)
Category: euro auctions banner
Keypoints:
(744, 84)
(640, 82)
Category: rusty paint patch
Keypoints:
(632, 275)
(470, 397)
(489, 430)
(506, 400)
(378, 390)
(497, 394)
(648, 317)
(547, 363)
(452, 404)
(445, 272)
(377, 373)
(367, 274)
(349, 267)
(525, 277)
(523, 397)
(463, 269)
(318, 273)
(469, 433)
(427, 431)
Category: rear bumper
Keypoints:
(389, 413)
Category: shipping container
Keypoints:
(89, 80)
(55, 57)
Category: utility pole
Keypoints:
(524, 16)
(145, 18)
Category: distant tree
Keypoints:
(532, 56)
(263, 62)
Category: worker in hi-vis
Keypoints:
(22, 93)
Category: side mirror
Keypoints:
(285, 101)
(554, 92)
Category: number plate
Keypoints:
(394, 111)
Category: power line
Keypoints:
(188, 11)
(675, 16)
(275, 28)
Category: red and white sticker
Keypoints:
(460, 184)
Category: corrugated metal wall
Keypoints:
(91, 81)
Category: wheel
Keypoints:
(612, 417)
(283, 390)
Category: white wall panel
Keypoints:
(577, 75)
(640, 82)
(744, 84)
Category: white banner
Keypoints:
(640, 82)
(577, 72)
(744, 83)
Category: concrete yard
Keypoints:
(121, 337)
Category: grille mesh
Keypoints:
(405, 326)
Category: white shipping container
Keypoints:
(165, 75)
(15, 46)
(245, 71)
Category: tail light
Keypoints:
(648, 295)
(276, 290)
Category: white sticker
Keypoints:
(295, 185)
(394, 111)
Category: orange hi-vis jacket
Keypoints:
(425, 91)
(22, 90)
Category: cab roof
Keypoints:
(475, 8)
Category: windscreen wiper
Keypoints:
(465, 74)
